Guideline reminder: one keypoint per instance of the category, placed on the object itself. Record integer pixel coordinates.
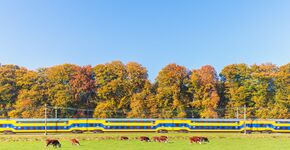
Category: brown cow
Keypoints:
(160, 139)
(163, 139)
(195, 139)
(75, 142)
(155, 139)
(55, 143)
(144, 138)
(124, 138)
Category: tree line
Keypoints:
(123, 90)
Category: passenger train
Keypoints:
(142, 125)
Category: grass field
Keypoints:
(178, 141)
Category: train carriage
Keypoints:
(143, 125)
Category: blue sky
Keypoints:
(154, 33)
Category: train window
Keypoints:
(282, 121)
(42, 121)
(129, 121)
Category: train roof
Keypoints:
(132, 119)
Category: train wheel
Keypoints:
(8, 132)
(182, 131)
(98, 131)
(162, 131)
(77, 131)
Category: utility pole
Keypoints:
(55, 111)
(237, 113)
(245, 125)
(45, 120)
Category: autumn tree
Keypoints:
(143, 104)
(8, 87)
(112, 90)
(123, 90)
(204, 86)
(263, 88)
(59, 88)
(282, 93)
(137, 77)
(172, 94)
(139, 90)
(32, 95)
(83, 87)
(236, 80)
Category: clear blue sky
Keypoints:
(41, 33)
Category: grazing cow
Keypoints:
(53, 142)
(195, 139)
(204, 139)
(155, 139)
(163, 139)
(144, 138)
(75, 142)
(124, 138)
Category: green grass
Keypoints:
(178, 141)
